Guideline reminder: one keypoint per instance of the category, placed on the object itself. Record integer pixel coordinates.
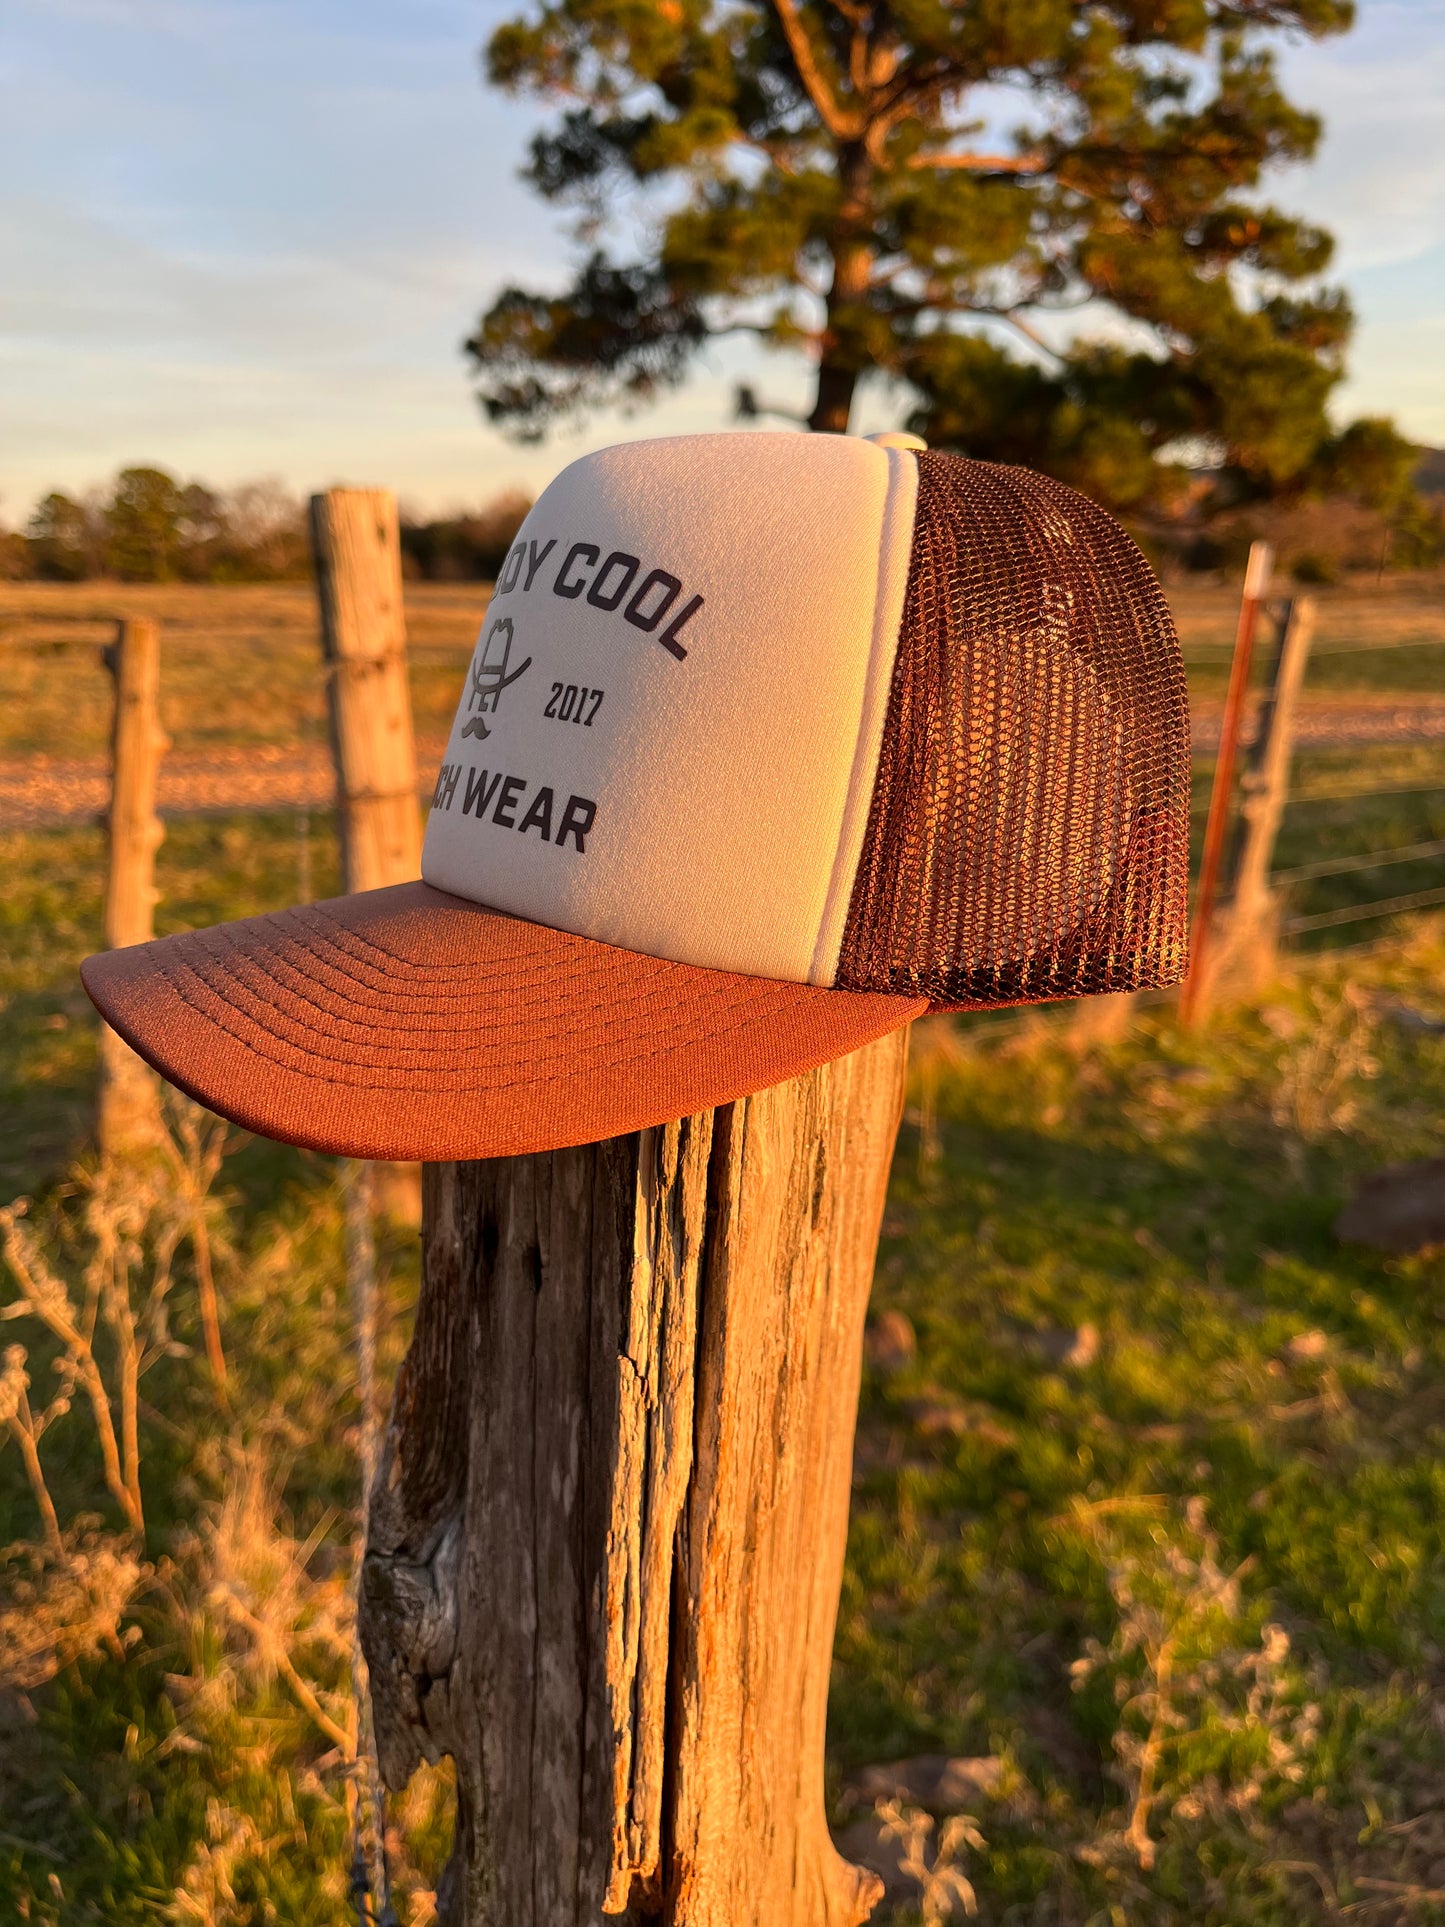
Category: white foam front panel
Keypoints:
(670, 729)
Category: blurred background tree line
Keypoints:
(149, 527)
(1098, 289)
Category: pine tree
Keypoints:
(811, 171)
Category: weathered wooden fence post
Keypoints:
(1249, 949)
(357, 549)
(128, 1097)
(363, 633)
(1221, 795)
(607, 1531)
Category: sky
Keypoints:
(246, 238)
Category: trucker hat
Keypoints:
(770, 742)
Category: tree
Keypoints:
(145, 519)
(151, 528)
(1370, 461)
(814, 173)
(14, 556)
(267, 538)
(467, 547)
(65, 541)
(200, 551)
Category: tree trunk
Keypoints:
(842, 353)
(127, 1111)
(357, 549)
(607, 1530)
(833, 403)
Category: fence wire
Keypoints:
(1362, 862)
(212, 786)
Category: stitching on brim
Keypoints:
(415, 984)
(223, 965)
(568, 937)
(310, 936)
(592, 1066)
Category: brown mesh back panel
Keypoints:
(1029, 830)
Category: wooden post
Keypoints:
(363, 632)
(1249, 948)
(1221, 795)
(357, 549)
(128, 1098)
(608, 1523)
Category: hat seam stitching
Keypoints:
(277, 1038)
(225, 961)
(872, 717)
(339, 1083)
(393, 956)
(268, 1003)
(665, 967)
(537, 975)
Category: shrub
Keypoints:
(1313, 570)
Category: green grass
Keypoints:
(1262, 1401)
(1251, 1441)
(50, 918)
(1175, 1192)
(1369, 645)
(1350, 802)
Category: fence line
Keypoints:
(1221, 793)
(1191, 654)
(104, 627)
(1360, 796)
(1368, 860)
(51, 630)
(1381, 907)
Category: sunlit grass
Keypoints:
(1253, 1439)
(1155, 1516)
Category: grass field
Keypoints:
(241, 666)
(241, 663)
(1154, 1519)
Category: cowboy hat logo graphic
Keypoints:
(490, 676)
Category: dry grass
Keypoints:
(222, 1625)
(240, 665)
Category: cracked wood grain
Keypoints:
(606, 1536)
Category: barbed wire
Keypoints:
(1359, 795)
(51, 630)
(1192, 655)
(1382, 907)
(1367, 860)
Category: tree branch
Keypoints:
(983, 163)
(749, 406)
(1016, 320)
(841, 125)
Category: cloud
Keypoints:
(244, 236)
(1378, 181)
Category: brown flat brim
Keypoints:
(407, 1023)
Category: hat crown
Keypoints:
(832, 712)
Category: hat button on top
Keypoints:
(895, 438)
